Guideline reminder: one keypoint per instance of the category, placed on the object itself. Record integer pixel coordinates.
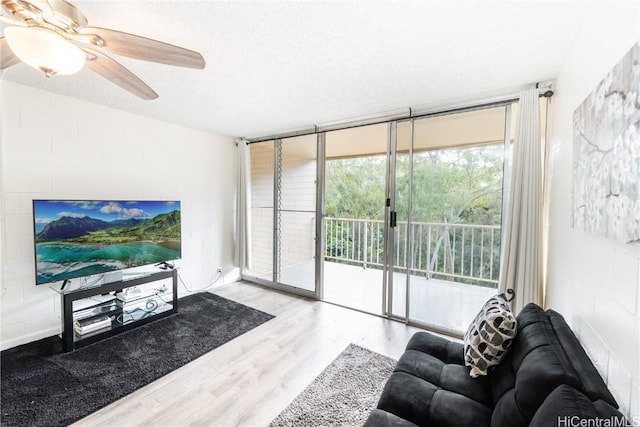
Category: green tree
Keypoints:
(355, 188)
(462, 185)
(450, 186)
(454, 186)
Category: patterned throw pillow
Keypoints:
(489, 336)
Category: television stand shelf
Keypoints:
(99, 314)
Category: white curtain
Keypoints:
(243, 204)
(521, 258)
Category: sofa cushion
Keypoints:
(441, 348)
(425, 404)
(430, 383)
(567, 406)
(489, 336)
(379, 418)
(447, 376)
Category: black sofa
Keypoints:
(546, 376)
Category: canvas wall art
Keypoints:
(606, 155)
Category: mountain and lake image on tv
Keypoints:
(76, 238)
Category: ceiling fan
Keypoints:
(53, 36)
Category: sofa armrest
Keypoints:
(593, 386)
(567, 406)
(446, 350)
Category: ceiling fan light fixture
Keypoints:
(45, 50)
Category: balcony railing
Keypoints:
(462, 253)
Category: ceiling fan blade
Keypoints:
(118, 74)
(7, 57)
(138, 47)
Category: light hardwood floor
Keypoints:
(251, 379)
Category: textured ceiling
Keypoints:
(274, 66)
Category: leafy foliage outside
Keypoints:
(451, 188)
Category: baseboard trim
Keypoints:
(14, 342)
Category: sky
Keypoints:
(46, 211)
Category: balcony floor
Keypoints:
(440, 303)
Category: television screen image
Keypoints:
(75, 238)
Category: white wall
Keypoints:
(594, 281)
(59, 147)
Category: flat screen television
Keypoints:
(76, 238)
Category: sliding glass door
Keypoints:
(355, 216)
(283, 214)
(413, 216)
(456, 214)
(367, 173)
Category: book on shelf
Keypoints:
(92, 324)
(93, 327)
(83, 331)
(91, 320)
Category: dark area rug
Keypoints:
(43, 387)
(343, 394)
